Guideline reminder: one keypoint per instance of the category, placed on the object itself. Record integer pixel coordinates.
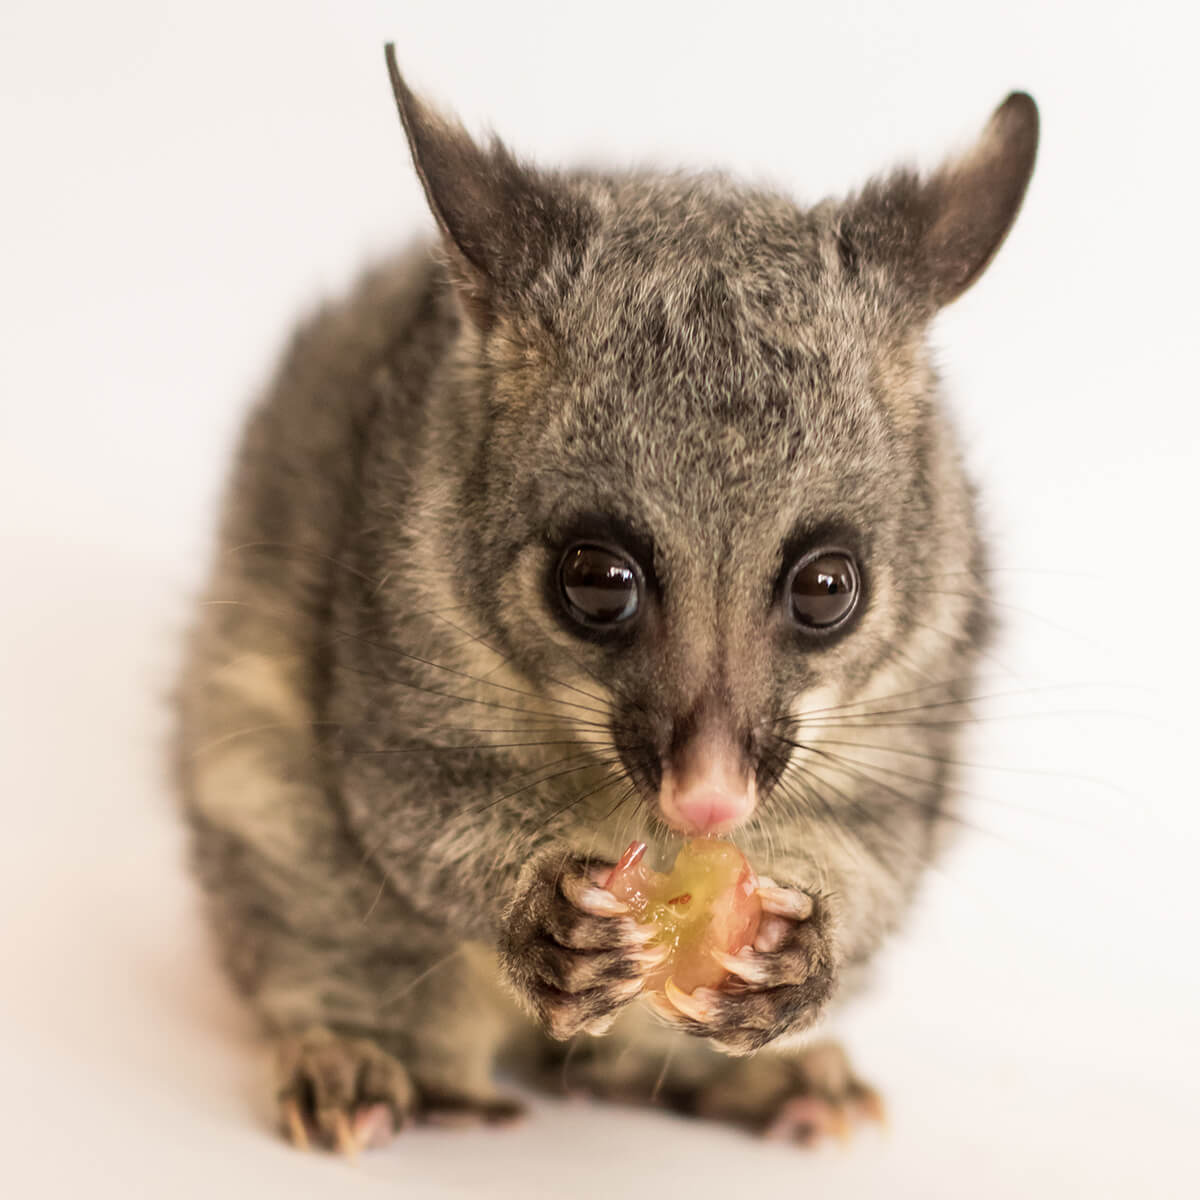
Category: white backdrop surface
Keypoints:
(181, 180)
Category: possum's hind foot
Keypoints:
(348, 1094)
(341, 1093)
(802, 1097)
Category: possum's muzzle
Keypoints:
(707, 786)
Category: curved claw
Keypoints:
(839, 1123)
(630, 988)
(743, 964)
(593, 899)
(699, 1005)
(870, 1104)
(652, 958)
(295, 1125)
(664, 1009)
(639, 935)
(347, 1143)
(786, 902)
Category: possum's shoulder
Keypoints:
(371, 351)
(394, 324)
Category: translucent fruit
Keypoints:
(709, 901)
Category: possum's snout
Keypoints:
(707, 786)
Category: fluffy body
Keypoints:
(403, 769)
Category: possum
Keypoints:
(624, 508)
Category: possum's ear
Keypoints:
(504, 224)
(936, 235)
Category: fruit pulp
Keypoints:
(708, 901)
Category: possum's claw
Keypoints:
(294, 1124)
(347, 1143)
(700, 1005)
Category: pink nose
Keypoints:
(705, 812)
(707, 787)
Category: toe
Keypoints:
(374, 1126)
(805, 1119)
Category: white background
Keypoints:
(179, 181)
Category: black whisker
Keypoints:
(588, 760)
(626, 795)
(841, 708)
(611, 778)
(945, 760)
(507, 658)
(1012, 693)
(976, 571)
(962, 640)
(593, 761)
(426, 662)
(856, 768)
(983, 718)
(1028, 612)
(466, 699)
(383, 648)
(807, 781)
(477, 746)
(292, 546)
(931, 809)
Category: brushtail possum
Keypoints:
(626, 510)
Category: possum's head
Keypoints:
(705, 477)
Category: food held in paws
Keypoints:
(709, 901)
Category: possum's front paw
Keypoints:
(778, 986)
(571, 950)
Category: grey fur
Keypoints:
(385, 725)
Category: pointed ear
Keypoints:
(936, 235)
(503, 223)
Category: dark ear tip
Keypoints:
(413, 114)
(1022, 103)
(401, 89)
(1017, 119)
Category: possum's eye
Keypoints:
(823, 589)
(599, 585)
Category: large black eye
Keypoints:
(600, 586)
(823, 589)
